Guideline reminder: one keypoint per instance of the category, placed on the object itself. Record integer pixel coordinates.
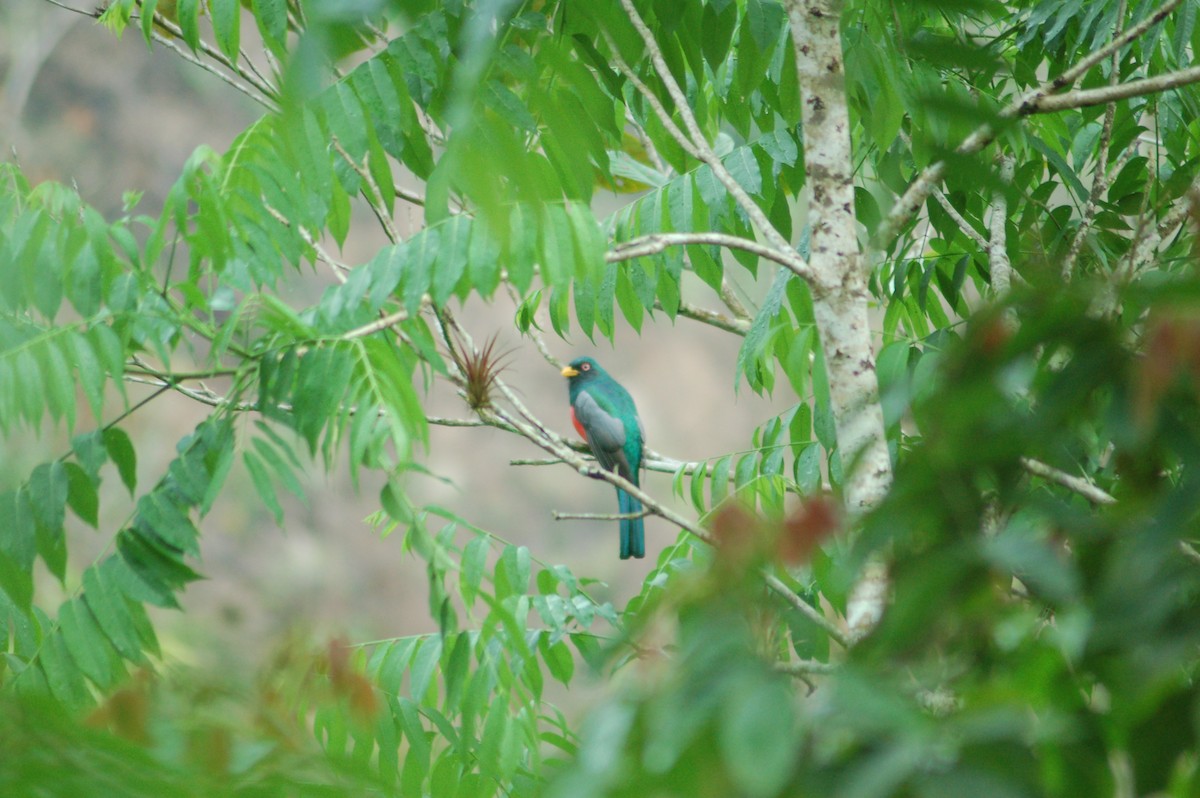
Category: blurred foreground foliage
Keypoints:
(1036, 643)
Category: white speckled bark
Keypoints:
(839, 281)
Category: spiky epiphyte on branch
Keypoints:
(480, 368)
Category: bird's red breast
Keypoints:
(578, 427)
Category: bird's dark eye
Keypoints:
(585, 367)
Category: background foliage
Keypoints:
(1042, 627)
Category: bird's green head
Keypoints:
(581, 369)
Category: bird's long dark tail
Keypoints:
(633, 531)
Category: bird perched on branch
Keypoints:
(604, 415)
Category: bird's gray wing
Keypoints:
(605, 432)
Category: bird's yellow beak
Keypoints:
(569, 372)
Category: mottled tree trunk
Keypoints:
(839, 283)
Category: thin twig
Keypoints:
(340, 270)
(731, 300)
(1189, 551)
(379, 324)
(560, 516)
(654, 243)
(660, 464)
(269, 92)
(1083, 487)
(806, 609)
(408, 195)
(538, 340)
(187, 56)
(710, 317)
(963, 225)
(361, 170)
(664, 116)
(1083, 98)
(806, 667)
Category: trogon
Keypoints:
(604, 415)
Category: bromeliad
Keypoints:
(604, 414)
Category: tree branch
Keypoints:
(963, 225)
(363, 172)
(806, 667)
(807, 610)
(1100, 178)
(654, 243)
(1083, 487)
(711, 318)
(730, 298)
(270, 95)
(997, 245)
(379, 324)
(919, 190)
(1109, 94)
(560, 516)
(697, 145)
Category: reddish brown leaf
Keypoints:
(814, 521)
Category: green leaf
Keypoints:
(483, 259)
(743, 166)
(474, 559)
(19, 528)
(757, 737)
(557, 256)
(263, 485)
(111, 610)
(187, 13)
(159, 571)
(807, 469)
(628, 300)
(454, 240)
(147, 13)
(420, 253)
(393, 663)
(226, 21)
(121, 452)
(62, 673)
(90, 372)
(754, 356)
(87, 644)
(697, 491)
(17, 583)
(82, 496)
(48, 489)
(160, 514)
(57, 382)
(456, 672)
(720, 479)
(282, 470)
(425, 665)
(558, 659)
(590, 244)
(521, 249)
